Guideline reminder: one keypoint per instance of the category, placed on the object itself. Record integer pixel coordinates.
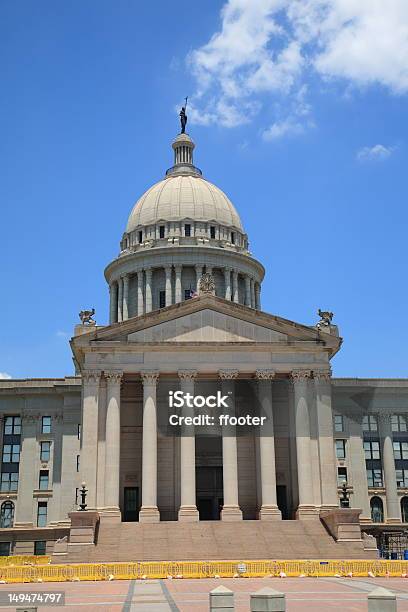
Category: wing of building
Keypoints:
(185, 315)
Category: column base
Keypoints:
(25, 525)
(188, 514)
(111, 511)
(393, 521)
(149, 514)
(306, 512)
(269, 512)
(329, 507)
(231, 513)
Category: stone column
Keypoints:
(306, 508)
(247, 291)
(120, 299)
(100, 470)
(140, 308)
(227, 281)
(168, 271)
(25, 513)
(89, 433)
(327, 459)
(188, 509)
(148, 301)
(235, 286)
(178, 295)
(252, 293)
(231, 510)
(149, 512)
(112, 445)
(113, 310)
(125, 308)
(199, 272)
(257, 296)
(388, 461)
(357, 474)
(269, 508)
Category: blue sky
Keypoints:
(298, 111)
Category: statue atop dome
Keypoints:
(183, 117)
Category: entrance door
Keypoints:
(131, 504)
(282, 500)
(209, 492)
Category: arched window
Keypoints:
(377, 510)
(6, 514)
(404, 509)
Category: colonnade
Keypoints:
(119, 289)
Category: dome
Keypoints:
(185, 196)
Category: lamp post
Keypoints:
(83, 492)
(345, 497)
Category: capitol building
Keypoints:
(185, 314)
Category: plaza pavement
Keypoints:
(302, 594)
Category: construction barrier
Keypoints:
(25, 560)
(201, 569)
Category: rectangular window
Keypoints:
(374, 478)
(40, 547)
(400, 450)
(398, 422)
(5, 549)
(340, 449)
(11, 453)
(233, 237)
(402, 478)
(370, 423)
(45, 452)
(140, 236)
(12, 425)
(161, 231)
(42, 514)
(44, 480)
(162, 299)
(341, 476)
(76, 496)
(187, 229)
(77, 463)
(9, 481)
(338, 422)
(212, 232)
(79, 431)
(372, 450)
(46, 424)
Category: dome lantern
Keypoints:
(183, 148)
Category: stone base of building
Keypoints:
(188, 514)
(270, 513)
(149, 514)
(306, 512)
(231, 513)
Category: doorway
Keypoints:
(210, 492)
(282, 500)
(130, 504)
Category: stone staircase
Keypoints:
(212, 540)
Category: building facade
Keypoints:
(107, 426)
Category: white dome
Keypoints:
(183, 197)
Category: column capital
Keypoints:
(150, 377)
(178, 269)
(187, 374)
(265, 374)
(113, 377)
(91, 376)
(149, 272)
(168, 269)
(322, 375)
(228, 374)
(227, 269)
(300, 375)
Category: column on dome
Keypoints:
(257, 296)
(149, 512)
(327, 459)
(148, 301)
(125, 307)
(168, 271)
(113, 304)
(199, 273)
(120, 299)
(252, 284)
(178, 295)
(269, 508)
(227, 281)
(188, 510)
(89, 433)
(247, 291)
(112, 441)
(390, 479)
(235, 286)
(306, 508)
(231, 510)
(140, 306)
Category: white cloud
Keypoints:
(267, 49)
(283, 128)
(376, 153)
(4, 376)
(61, 334)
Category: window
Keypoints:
(6, 514)
(44, 480)
(46, 424)
(212, 232)
(404, 509)
(377, 510)
(372, 450)
(11, 453)
(162, 299)
(187, 229)
(400, 450)
(39, 547)
(9, 481)
(140, 236)
(398, 422)
(341, 476)
(340, 449)
(79, 431)
(12, 425)
(77, 463)
(402, 478)
(370, 422)
(233, 237)
(76, 496)
(45, 451)
(374, 478)
(338, 422)
(5, 549)
(42, 514)
(161, 231)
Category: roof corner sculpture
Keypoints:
(206, 284)
(86, 317)
(325, 318)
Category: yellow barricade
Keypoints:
(24, 560)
